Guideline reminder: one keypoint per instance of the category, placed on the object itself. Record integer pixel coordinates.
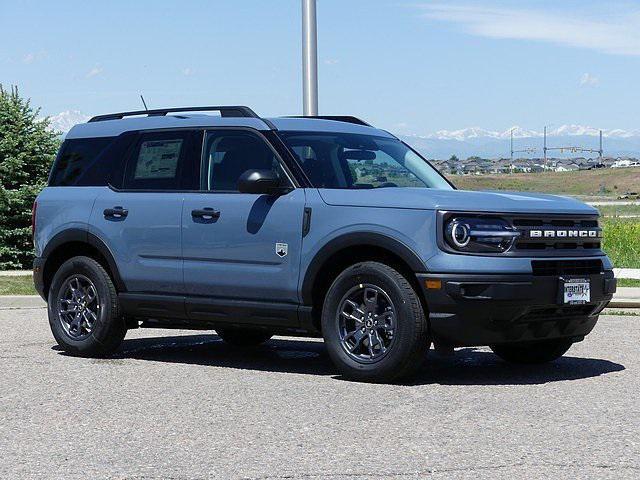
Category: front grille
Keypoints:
(566, 267)
(557, 234)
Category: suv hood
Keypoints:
(463, 200)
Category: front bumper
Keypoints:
(472, 309)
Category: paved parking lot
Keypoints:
(182, 405)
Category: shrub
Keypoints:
(27, 148)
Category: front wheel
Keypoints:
(373, 324)
(532, 353)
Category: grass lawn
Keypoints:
(602, 182)
(619, 210)
(628, 282)
(622, 241)
(17, 285)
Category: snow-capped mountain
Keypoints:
(519, 132)
(472, 141)
(63, 121)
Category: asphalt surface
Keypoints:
(182, 405)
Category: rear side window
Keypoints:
(165, 160)
(76, 156)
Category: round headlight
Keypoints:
(481, 234)
(460, 234)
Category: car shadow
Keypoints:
(468, 366)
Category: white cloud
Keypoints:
(94, 72)
(331, 61)
(31, 57)
(588, 80)
(187, 72)
(613, 31)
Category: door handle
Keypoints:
(115, 212)
(206, 213)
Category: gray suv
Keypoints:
(322, 226)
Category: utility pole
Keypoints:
(600, 151)
(511, 131)
(309, 59)
(545, 146)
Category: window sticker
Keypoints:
(158, 159)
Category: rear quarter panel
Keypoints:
(60, 209)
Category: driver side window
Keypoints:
(228, 154)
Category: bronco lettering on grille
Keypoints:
(565, 233)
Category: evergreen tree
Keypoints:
(27, 148)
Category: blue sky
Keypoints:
(411, 67)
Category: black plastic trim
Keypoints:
(352, 239)
(216, 311)
(225, 111)
(487, 309)
(83, 236)
(38, 276)
(335, 118)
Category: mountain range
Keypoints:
(481, 142)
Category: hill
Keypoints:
(609, 182)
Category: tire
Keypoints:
(89, 328)
(532, 353)
(381, 354)
(243, 337)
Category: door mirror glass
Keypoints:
(261, 182)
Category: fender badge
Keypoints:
(282, 249)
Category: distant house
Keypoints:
(567, 167)
(625, 163)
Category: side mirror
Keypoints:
(262, 182)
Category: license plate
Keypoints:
(577, 291)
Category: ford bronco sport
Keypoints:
(321, 226)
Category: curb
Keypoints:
(624, 304)
(14, 302)
(15, 273)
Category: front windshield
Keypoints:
(352, 161)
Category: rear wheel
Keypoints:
(532, 353)
(83, 308)
(373, 324)
(243, 337)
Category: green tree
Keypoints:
(27, 148)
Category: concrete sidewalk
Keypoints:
(12, 302)
(15, 273)
(632, 273)
(626, 297)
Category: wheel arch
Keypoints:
(351, 248)
(71, 243)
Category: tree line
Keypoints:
(27, 149)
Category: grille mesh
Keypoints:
(526, 242)
(566, 267)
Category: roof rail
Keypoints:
(225, 111)
(337, 118)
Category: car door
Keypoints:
(241, 246)
(138, 215)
